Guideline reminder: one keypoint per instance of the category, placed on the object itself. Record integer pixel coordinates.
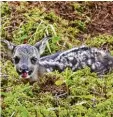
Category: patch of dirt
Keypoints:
(63, 9)
(101, 14)
(50, 86)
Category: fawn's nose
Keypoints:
(24, 68)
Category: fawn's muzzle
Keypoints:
(24, 71)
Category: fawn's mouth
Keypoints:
(25, 74)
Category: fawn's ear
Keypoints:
(9, 47)
(41, 45)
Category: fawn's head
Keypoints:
(26, 57)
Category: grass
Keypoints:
(84, 93)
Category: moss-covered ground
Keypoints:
(66, 94)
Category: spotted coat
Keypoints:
(77, 58)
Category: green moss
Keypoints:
(87, 96)
(5, 10)
(101, 40)
(79, 7)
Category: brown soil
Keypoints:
(101, 14)
(50, 86)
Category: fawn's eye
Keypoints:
(16, 60)
(33, 60)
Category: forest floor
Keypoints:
(66, 94)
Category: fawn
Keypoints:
(30, 66)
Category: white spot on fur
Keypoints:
(89, 62)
